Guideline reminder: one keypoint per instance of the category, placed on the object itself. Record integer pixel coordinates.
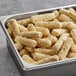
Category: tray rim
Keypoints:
(28, 67)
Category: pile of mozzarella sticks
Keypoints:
(45, 37)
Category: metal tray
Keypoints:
(65, 67)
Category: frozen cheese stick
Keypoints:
(73, 48)
(45, 51)
(72, 13)
(28, 59)
(52, 38)
(32, 34)
(14, 27)
(65, 48)
(24, 52)
(30, 49)
(26, 41)
(19, 46)
(64, 17)
(50, 25)
(64, 11)
(68, 25)
(67, 12)
(31, 27)
(44, 42)
(24, 22)
(73, 34)
(57, 46)
(8, 24)
(17, 39)
(70, 55)
(22, 28)
(9, 30)
(48, 59)
(59, 32)
(43, 30)
(44, 17)
(72, 10)
(39, 56)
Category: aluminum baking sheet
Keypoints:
(24, 65)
